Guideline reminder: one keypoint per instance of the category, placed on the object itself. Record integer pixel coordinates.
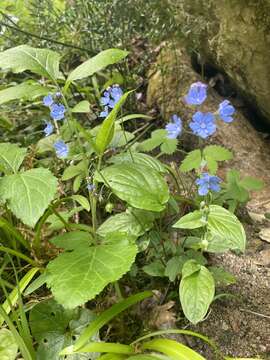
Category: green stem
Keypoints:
(118, 291)
(18, 254)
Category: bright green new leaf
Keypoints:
(97, 63)
(81, 107)
(78, 276)
(214, 153)
(106, 130)
(191, 220)
(168, 146)
(225, 225)
(28, 194)
(8, 345)
(54, 327)
(132, 222)
(24, 91)
(197, 290)
(191, 161)
(138, 185)
(11, 157)
(139, 158)
(173, 349)
(43, 62)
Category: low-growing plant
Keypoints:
(172, 214)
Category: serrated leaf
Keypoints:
(191, 220)
(28, 194)
(106, 130)
(191, 161)
(174, 267)
(8, 345)
(97, 63)
(251, 183)
(11, 157)
(218, 153)
(46, 143)
(24, 91)
(225, 225)
(139, 158)
(82, 107)
(212, 164)
(43, 62)
(197, 290)
(138, 185)
(55, 328)
(221, 276)
(78, 276)
(169, 146)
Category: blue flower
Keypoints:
(61, 149)
(174, 128)
(48, 100)
(58, 94)
(208, 182)
(48, 128)
(203, 124)
(110, 97)
(90, 187)
(105, 112)
(196, 94)
(225, 111)
(57, 111)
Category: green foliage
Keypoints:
(149, 190)
(192, 161)
(97, 63)
(54, 327)
(39, 61)
(197, 290)
(78, 276)
(28, 194)
(26, 91)
(8, 345)
(159, 138)
(11, 157)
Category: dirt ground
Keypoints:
(241, 325)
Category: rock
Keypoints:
(234, 36)
(169, 80)
(265, 234)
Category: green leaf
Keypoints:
(173, 349)
(82, 200)
(11, 157)
(74, 170)
(251, 183)
(8, 345)
(72, 240)
(214, 153)
(174, 267)
(139, 185)
(78, 276)
(106, 131)
(28, 194)
(197, 290)
(106, 316)
(168, 146)
(132, 222)
(192, 220)
(158, 137)
(217, 153)
(156, 268)
(43, 62)
(53, 327)
(139, 158)
(100, 347)
(191, 161)
(82, 107)
(234, 189)
(225, 225)
(222, 277)
(97, 63)
(24, 91)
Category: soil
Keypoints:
(241, 325)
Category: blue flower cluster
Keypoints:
(110, 97)
(203, 124)
(208, 182)
(57, 112)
